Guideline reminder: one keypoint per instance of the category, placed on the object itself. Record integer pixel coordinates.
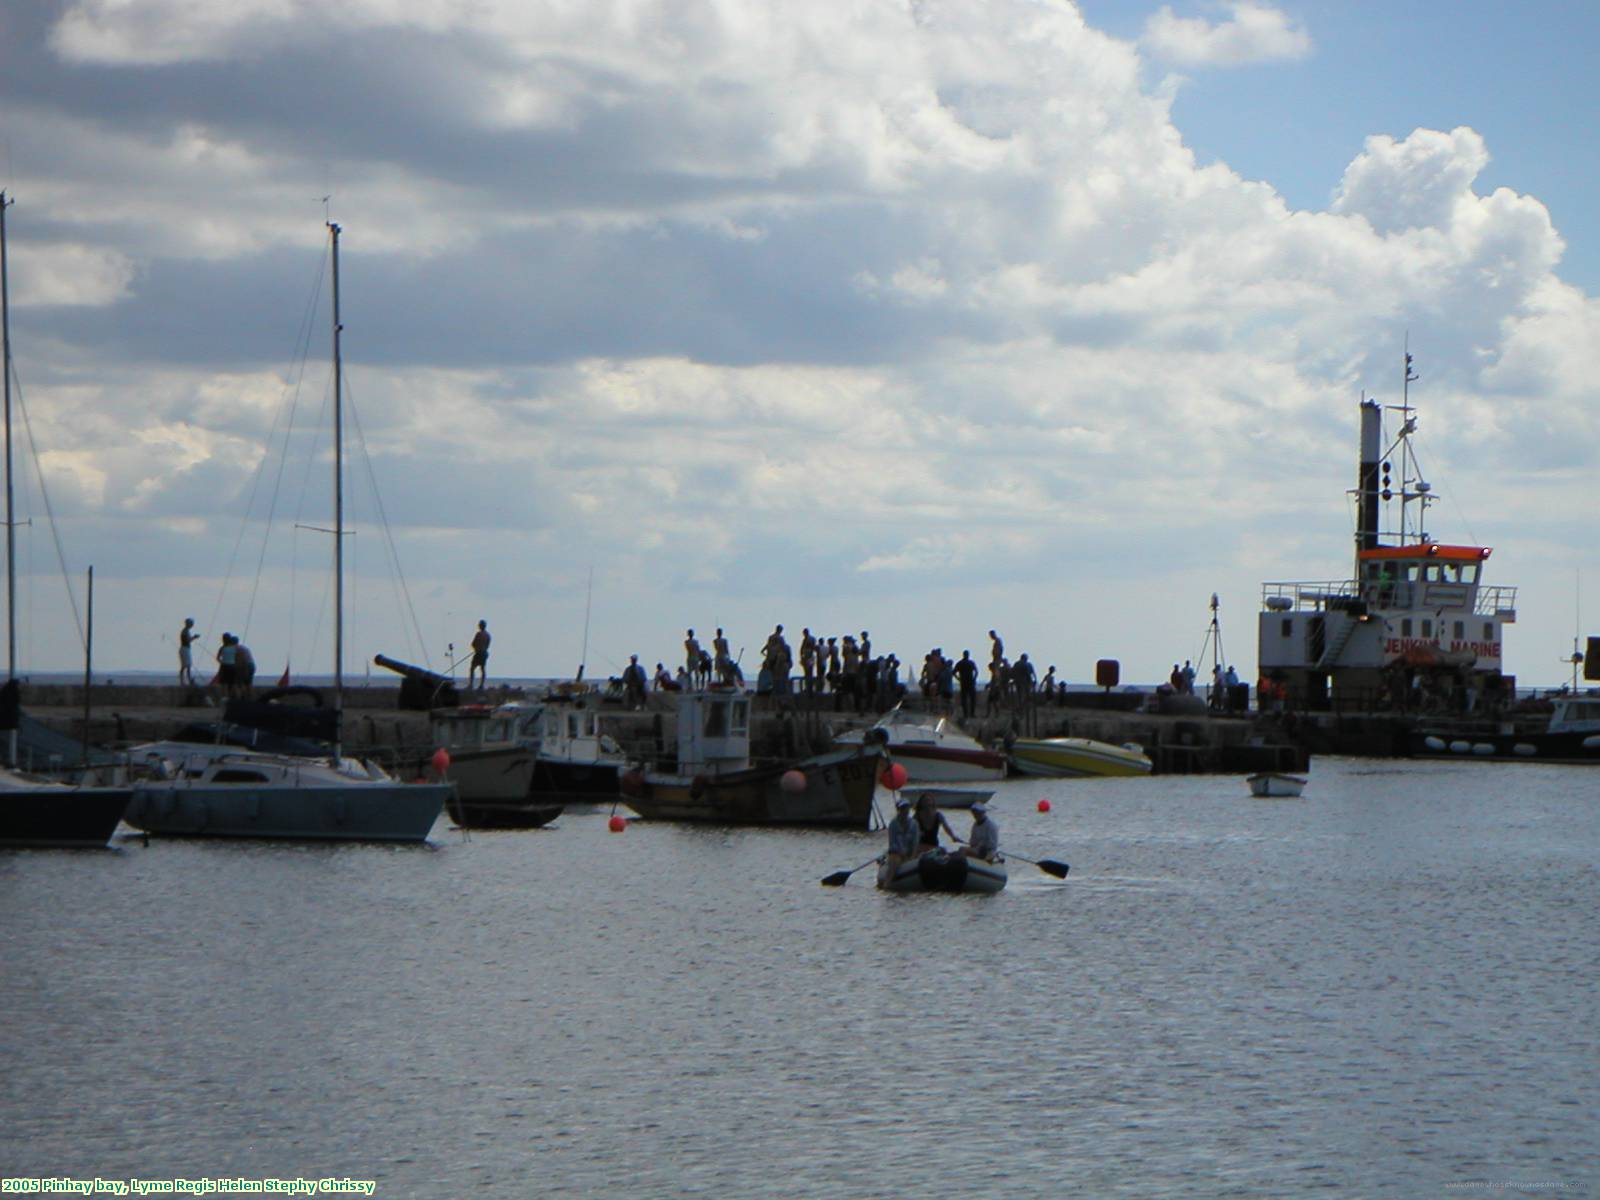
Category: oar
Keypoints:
(838, 877)
(1048, 865)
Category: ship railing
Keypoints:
(1318, 596)
(1498, 601)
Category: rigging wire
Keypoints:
(49, 509)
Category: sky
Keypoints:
(918, 316)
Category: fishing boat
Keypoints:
(1069, 757)
(1275, 785)
(714, 780)
(36, 811)
(931, 749)
(220, 791)
(576, 762)
(1569, 734)
(1417, 628)
(943, 871)
(491, 752)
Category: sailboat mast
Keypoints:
(338, 510)
(11, 526)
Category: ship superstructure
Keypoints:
(1417, 626)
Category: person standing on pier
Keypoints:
(691, 657)
(480, 656)
(808, 660)
(187, 637)
(997, 650)
(966, 672)
(721, 660)
(633, 684)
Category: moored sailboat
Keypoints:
(35, 811)
(226, 792)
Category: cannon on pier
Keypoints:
(421, 690)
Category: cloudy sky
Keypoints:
(922, 316)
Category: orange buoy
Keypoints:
(793, 781)
(893, 777)
(616, 824)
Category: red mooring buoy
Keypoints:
(1044, 805)
(616, 824)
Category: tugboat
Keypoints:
(1417, 630)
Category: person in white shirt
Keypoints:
(984, 840)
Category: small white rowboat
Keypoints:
(1270, 783)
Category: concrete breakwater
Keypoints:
(122, 715)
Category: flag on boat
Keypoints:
(283, 680)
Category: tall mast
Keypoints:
(338, 510)
(11, 528)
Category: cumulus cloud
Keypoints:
(750, 308)
(1253, 33)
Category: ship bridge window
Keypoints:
(716, 720)
(1431, 572)
(1469, 572)
(1427, 627)
(741, 716)
(1411, 571)
(496, 731)
(1405, 627)
(1488, 631)
(1461, 630)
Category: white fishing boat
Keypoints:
(943, 871)
(577, 763)
(932, 749)
(491, 750)
(1069, 757)
(1275, 785)
(219, 791)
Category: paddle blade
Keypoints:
(1051, 867)
(836, 879)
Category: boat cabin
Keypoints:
(713, 731)
(477, 726)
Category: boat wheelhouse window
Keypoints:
(1469, 572)
(238, 775)
(1427, 627)
(741, 716)
(716, 719)
(572, 725)
(1431, 573)
(1488, 631)
(1288, 629)
(1411, 571)
(1461, 630)
(1405, 627)
(498, 730)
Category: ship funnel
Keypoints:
(1367, 479)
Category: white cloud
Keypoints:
(1253, 33)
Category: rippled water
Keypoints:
(1382, 989)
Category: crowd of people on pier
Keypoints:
(844, 668)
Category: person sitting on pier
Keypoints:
(984, 840)
(929, 821)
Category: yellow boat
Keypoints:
(1063, 757)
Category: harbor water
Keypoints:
(1384, 988)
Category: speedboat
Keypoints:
(1065, 757)
(943, 871)
(1275, 785)
(931, 749)
(222, 791)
